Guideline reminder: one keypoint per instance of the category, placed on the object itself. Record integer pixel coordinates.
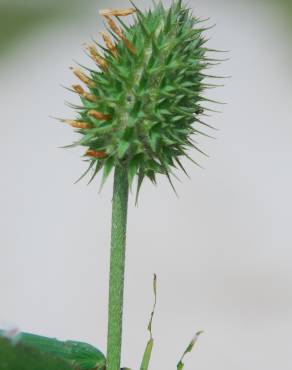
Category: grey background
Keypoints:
(222, 251)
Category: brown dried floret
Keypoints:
(129, 45)
(113, 26)
(119, 33)
(95, 153)
(79, 89)
(97, 57)
(98, 115)
(117, 12)
(77, 124)
(109, 44)
(82, 76)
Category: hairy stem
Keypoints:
(117, 267)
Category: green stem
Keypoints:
(117, 267)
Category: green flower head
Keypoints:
(142, 105)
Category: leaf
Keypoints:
(108, 166)
(85, 172)
(147, 355)
(122, 148)
(170, 181)
(181, 166)
(149, 346)
(133, 167)
(79, 354)
(98, 167)
(22, 357)
(154, 137)
(189, 348)
(139, 184)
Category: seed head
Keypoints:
(143, 104)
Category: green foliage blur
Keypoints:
(21, 17)
(18, 18)
(286, 7)
(283, 9)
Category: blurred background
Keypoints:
(222, 251)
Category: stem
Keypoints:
(117, 267)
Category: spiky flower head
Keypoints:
(142, 105)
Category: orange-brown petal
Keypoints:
(99, 115)
(117, 12)
(113, 26)
(109, 44)
(79, 89)
(82, 76)
(95, 153)
(97, 57)
(77, 124)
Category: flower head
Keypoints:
(142, 104)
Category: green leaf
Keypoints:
(98, 167)
(149, 346)
(23, 357)
(154, 137)
(189, 348)
(79, 354)
(122, 148)
(133, 167)
(108, 166)
(85, 172)
(147, 355)
(139, 184)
